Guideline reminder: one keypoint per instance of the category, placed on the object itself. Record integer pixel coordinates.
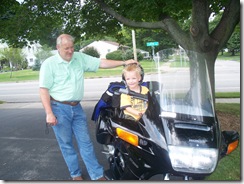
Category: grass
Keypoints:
(229, 167)
(227, 95)
(230, 108)
(20, 75)
(227, 56)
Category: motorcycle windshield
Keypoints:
(184, 85)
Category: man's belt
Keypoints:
(72, 103)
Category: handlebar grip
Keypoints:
(124, 91)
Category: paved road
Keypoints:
(27, 153)
(227, 78)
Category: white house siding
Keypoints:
(3, 45)
(145, 54)
(29, 52)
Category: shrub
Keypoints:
(124, 55)
(129, 54)
(37, 65)
(24, 64)
(91, 51)
(115, 55)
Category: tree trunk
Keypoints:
(202, 77)
(11, 68)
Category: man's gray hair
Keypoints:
(60, 38)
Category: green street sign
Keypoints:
(152, 43)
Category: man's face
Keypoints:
(66, 49)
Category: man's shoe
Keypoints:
(78, 178)
(102, 179)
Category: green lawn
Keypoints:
(20, 75)
(227, 95)
(228, 56)
(229, 167)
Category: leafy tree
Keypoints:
(234, 42)
(129, 54)
(24, 64)
(37, 65)
(14, 56)
(42, 21)
(43, 53)
(146, 35)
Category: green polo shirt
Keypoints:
(65, 80)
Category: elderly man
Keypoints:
(61, 90)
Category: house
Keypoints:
(103, 47)
(146, 54)
(29, 52)
(3, 45)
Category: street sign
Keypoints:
(152, 43)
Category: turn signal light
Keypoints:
(232, 146)
(127, 136)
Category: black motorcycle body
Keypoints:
(178, 137)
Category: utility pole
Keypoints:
(134, 45)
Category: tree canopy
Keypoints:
(42, 21)
(186, 22)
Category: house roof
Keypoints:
(110, 42)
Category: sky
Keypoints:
(20, 1)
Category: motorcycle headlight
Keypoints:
(194, 160)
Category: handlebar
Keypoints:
(133, 93)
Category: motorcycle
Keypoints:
(179, 137)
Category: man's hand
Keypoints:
(51, 119)
(130, 61)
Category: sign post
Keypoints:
(152, 44)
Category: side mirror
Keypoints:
(230, 142)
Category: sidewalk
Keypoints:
(228, 100)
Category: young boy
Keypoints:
(133, 108)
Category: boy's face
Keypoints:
(132, 79)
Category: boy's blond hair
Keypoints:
(132, 67)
